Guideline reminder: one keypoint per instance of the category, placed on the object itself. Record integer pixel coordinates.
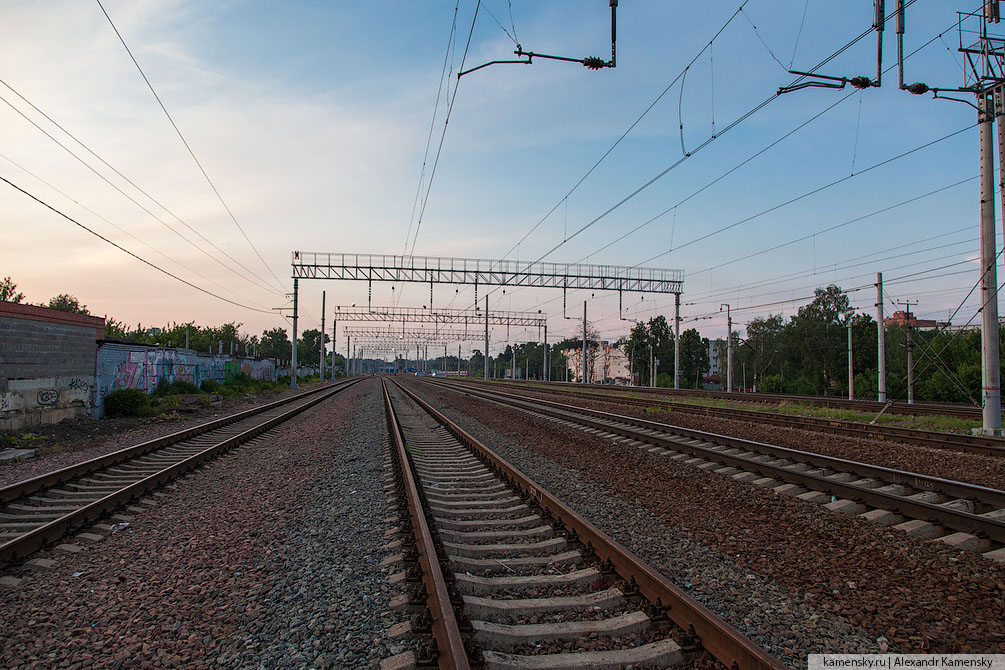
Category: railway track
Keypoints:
(975, 444)
(513, 578)
(869, 406)
(962, 515)
(41, 510)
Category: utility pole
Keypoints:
(585, 365)
(544, 370)
(910, 353)
(486, 374)
(676, 341)
(729, 348)
(851, 366)
(348, 354)
(990, 357)
(321, 367)
(881, 338)
(984, 55)
(293, 357)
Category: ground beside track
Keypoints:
(267, 558)
(795, 577)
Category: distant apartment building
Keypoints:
(608, 364)
(900, 318)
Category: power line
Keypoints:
(123, 249)
(113, 225)
(185, 142)
(446, 122)
(736, 122)
(131, 183)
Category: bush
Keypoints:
(127, 403)
(175, 388)
(210, 386)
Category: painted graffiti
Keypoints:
(47, 397)
(78, 384)
(4, 402)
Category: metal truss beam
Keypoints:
(464, 317)
(436, 270)
(412, 335)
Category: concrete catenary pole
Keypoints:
(293, 356)
(851, 366)
(881, 338)
(729, 348)
(545, 372)
(585, 363)
(676, 340)
(991, 381)
(321, 366)
(486, 337)
(348, 354)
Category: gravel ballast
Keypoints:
(946, 463)
(796, 578)
(267, 557)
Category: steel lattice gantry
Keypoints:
(441, 270)
(438, 270)
(465, 317)
(411, 335)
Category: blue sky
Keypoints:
(312, 119)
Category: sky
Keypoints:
(315, 126)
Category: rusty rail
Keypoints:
(450, 645)
(978, 444)
(32, 541)
(716, 635)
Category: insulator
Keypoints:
(860, 82)
(594, 62)
(917, 88)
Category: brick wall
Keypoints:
(47, 364)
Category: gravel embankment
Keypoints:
(91, 438)
(265, 558)
(793, 576)
(965, 467)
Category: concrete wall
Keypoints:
(47, 364)
(122, 365)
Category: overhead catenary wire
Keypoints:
(187, 147)
(446, 123)
(65, 148)
(113, 225)
(130, 253)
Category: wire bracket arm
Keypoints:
(591, 62)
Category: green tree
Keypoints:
(275, 343)
(694, 359)
(9, 292)
(64, 302)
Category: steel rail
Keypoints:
(895, 406)
(716, 635)
(450, 644)
(987, 446)
(19, 489)
(626, 426)
(32, 541)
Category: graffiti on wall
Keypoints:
(145, 367)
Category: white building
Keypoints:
(608, 364)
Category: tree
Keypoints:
(693, 358)
(477, 363)
(761, 347)
(275, 343)
(654, 336)
(9, 292)
(64, 302)
(309, 347)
